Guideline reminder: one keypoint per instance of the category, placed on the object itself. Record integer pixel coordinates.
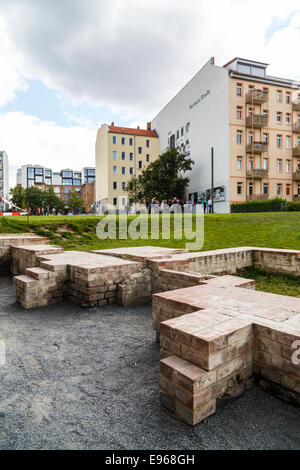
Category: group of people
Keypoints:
(177, 205)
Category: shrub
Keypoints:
(271, 205)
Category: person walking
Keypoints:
(209, 203)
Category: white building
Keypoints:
(195, 120)
(4, 180)
(251, 119)
(29, 175)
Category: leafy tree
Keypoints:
(162, 179)
(33, 197)
(75, 202)
(18, 196)
(50, 200)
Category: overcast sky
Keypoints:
(67, 66)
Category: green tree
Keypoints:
(33, 197)
(17, 195)
(162, 179)
(50, 200)
(75, 202)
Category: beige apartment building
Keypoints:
(252, 122)
(121, 153)
(264, 134)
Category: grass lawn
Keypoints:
(275, 283)
(274, 230)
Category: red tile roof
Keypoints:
(128, 130)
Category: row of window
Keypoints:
(123, 156)
(130, 141)
(279, 164)
(115, 185)
(279, 115)
(123, 168)
(280, 95)
(115, 201)
(279, 189)
(279, 139)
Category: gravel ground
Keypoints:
(78, 379)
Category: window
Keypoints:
(123, 140)
(140, 150)
(239, 163)
(114, 139)
(250, 137)
(131, 141)
(239, 112)
(239, 137)
(114, 170)
(131, 156)
(48, 173)
(57, 190)
(279, 165)
(288, 119)
(251, 111)
(288, 166)
(266, 113)
(115, 201)
(251, 163)
(239, 188)
(279, 189)
(115, 185)
(251, 189)
(67, 182)
(279, 96)
(279, 139)
(140, 164)
(76, 182)
(30, 173)
(288, 142)
(266, 164)
(123, 201)
(114, 155)
(123, 185)
(288, 190)
(39, 171)
(181, 132)
(265, 138)
(239, 89)
(279, 117)
(288, 97)
(187, 127)
(131, 170)
(147, 158)
(148, 141)
(177, 134)
(266, 189)
(123, 170)
(123, 155)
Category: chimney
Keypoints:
(212, 60)
(148, 126)
(112, 124)
(138, 127)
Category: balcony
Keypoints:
(257, 173)
(296, 127)
(257, 121)
(255, 197)
(257, 96)
(296, 105)
(296, 176)
(257, 147)
(296, 151)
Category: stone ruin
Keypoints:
(217, 334)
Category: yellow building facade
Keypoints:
(121, 153)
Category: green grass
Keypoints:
(274, 230)
(276, 283)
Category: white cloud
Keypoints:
(26, 139)
(135, 55)
(10, 78)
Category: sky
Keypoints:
(68, 66)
